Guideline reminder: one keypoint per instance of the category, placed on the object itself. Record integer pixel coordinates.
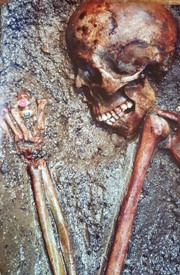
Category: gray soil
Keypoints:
(90, 165)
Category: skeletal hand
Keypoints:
(17, 114)
(28, 142)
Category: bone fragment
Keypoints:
(26, 133)
(155, 129)
(17, 134)
(167, 114)
(41, 103)
(4, 127)
(174, 141)
(58, 216)
(53, 252)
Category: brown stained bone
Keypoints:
(16, 112)
(174, 140)
(155, 129)
(26, 132)
(167, 114)
(41, 103)
(51, 246)
(101, 33)
(111, 43)
(17, 133)
(62, 263)
(174, 145)
(58, 216)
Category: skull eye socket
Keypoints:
(90, 74)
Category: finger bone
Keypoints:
(26, 133)
(17, 134)
(41, 103)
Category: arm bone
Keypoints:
(155, 129)
(53, 252)
(58, 216)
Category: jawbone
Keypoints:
(125, 112)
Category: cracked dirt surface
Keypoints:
(90, 165)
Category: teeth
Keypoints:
(100, 118)
(112, 119)
(118, 110)
(112, 116)
(123, 106)
(115, 116)
(109, 115)
(129, 104)
(121, 114)
(109, 122)
(104, 117)
(112, 113)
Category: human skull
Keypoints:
(112, 44)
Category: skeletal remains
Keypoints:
(29, 145)
(113, 46)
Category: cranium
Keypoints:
(112, 55)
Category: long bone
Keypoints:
(155, 129)
(167, 114)
(58, 216)
(60, 264)
(53, 252)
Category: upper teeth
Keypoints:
(111, 116)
